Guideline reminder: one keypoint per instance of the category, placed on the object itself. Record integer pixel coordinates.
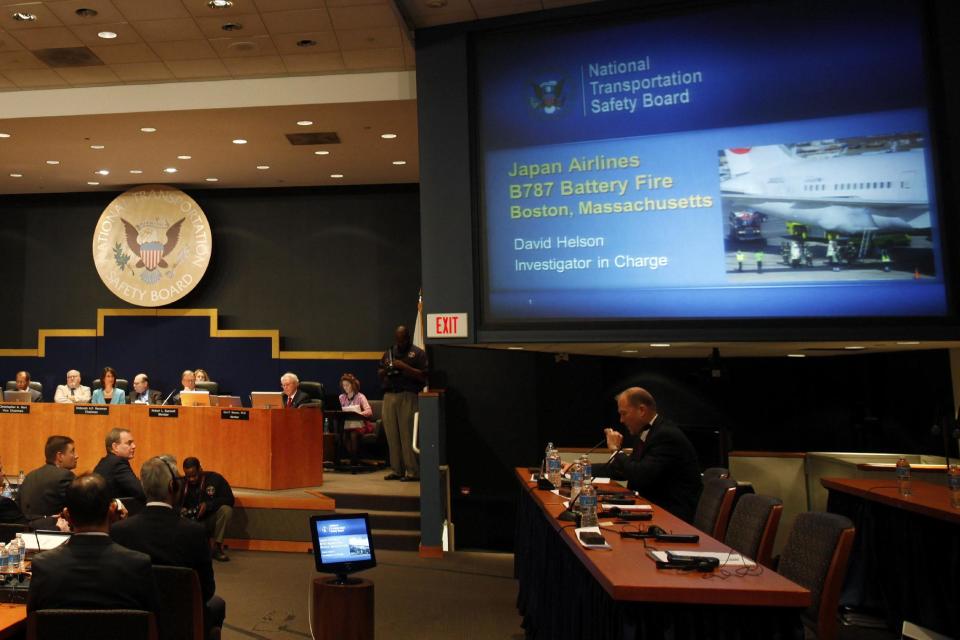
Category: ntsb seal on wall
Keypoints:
(152, 245)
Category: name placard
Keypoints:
(14, 408)
(91, 410)
(163, 412)
(234, 414)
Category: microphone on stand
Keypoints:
(570, 515)
(168, 398)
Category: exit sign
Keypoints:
(446, 325)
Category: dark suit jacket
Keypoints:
(35, 396)
(664, 470)
(121, 480)
(298, 398)
(10, 513)
(155, 397)
(169, 539)
(92, 572)
(43, 491)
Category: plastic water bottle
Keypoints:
(903, 477)
(7, 490)
(576, 484)
(587, 467)
(553, 466)
(22, 552)
(4, 559)
(588, 505)
(20, 479)
(953, 482)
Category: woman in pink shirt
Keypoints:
(352, 400)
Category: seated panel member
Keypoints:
(188, 382)
(108, 393)
(201, 375)
(115, 466)
(168, 539)
(292, 396)
(44, 490)
(23, 384)
(73, 391)
(142, 393)
(208, 498)
(91, 571)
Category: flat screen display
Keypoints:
(342, 544)
(771, 160)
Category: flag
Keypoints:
(418, 340)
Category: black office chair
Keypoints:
(121, 383)
(180, 614)
(712, 473)
(375, 440)
(315, 391)
(753, 526)
(91, 624)
(213, 388)
(12, 386)
(9, 531)
(715, 506)
(816, 557)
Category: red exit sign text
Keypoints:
(446, 325)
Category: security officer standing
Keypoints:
(403, 372)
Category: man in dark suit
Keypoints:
(115, 466)
(23, 384)
(91, 571)
(44, 489)
(168, 539)
(142, 393)
(292, 396)
(663, 466)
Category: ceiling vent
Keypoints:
(323, 137)
(69, 57)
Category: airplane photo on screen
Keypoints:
(837, 209)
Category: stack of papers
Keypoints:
(730, 559)
(590, 546)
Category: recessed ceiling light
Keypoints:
(136, 171)
(660, 344)
(96, 146)
(107, 35)
(436, 4)
(93, 183)
(103, 172)
(232, 26)
(23, 16)
(854, 347)
(515, 348)
(4, 135)
(796, 355)
(53, 162)
(388, 136)
(306, 42)
(263, 167)
(220, 4)
(629, 351)
(84, 12)
(170, 170)
(184, 157)
(905, 342)
(321, 153)
(239, 141)
(304, 123)
(148, 129)
(399, 162)
(212, 179)
(16, 175)
(336, 175)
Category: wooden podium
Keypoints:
(342, 611)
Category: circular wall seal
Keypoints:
(152, 245)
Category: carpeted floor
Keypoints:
(464, 595)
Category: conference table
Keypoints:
(567, 591)
(906, 551)
(253, 448)
(13, 620)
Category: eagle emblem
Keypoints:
(151, 242)
(548, 96)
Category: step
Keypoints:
(398, 520)
(395, 540)
(373, 502)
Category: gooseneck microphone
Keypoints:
(168, 398)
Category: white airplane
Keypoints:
(871, 192)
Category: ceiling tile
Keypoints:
(9, 43)
(67, 11)
(142, 72)
(364, 17)
(355, 3)
(374, 59)
(124, 53)
(6, 84)
(267, 6)
(50, 38)
(169, 30)
(88, 34)
(138, 10)
(262, 66)
(243, 47)
(314, 62)
(82, 76)
(287, 42)
(409, 55)
(34, 78)
(184, 50)
(194, 69)
(45, 17)
(19, 60)
(251, 23)
(200, 8)
(435, 19)
(381, 38)
(294, 21)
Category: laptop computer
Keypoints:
(16, 396)
(195, 398)
(228, 401)
(266, 399)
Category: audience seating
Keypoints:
(315, 391)
(715, 506)
(713, 473)
(211, 387)
(815, 556)
(180, 616)
(12, 386)
(121, 383)
(753, 526)
(91, 624)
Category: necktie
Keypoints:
(289, 401)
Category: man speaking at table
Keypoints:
(663, 466)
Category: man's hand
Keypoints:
(63, 525)
(614, 439)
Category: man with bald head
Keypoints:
(73, 391)
(403, 372)
(663, 466)
(23, 384)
